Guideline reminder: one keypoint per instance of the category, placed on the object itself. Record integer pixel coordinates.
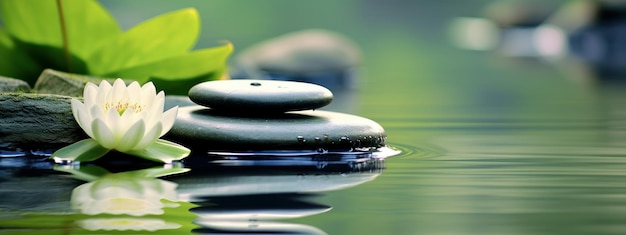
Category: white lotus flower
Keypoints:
(127, 119)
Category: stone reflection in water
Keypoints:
(257, 214)
(250, 201)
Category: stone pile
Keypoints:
(258, 115)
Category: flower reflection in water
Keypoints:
(127, 223)
(126, 201)
(117, 194)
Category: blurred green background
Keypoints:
(405, 44)
(493, 144)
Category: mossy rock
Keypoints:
(55, 82)
(37, 121)
(13, 85)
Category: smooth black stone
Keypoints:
(259, 96)
(202, 128)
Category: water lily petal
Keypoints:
(129, 117)
(76, 105)
(89, 94)
(103, 134)
(117, 127)
(168, 120)
(96, 112)
(132, 137)
(157, 103)
(155, 111)
(148, 92)
(151, 135)
(119, 93)
(103, 92)
(82, 116)
(134, 93)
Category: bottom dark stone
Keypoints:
(202, 128)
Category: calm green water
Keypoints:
(512, 154)
(491, 145)
(548, 166)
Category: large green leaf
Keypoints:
(38, 25)
(36, 28)
(189, 65)
(16, 64)
(164, 36)
(88, 25)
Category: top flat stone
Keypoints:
(259, 96)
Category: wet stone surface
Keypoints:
(259, 96)
(203, 128)
(258, 115)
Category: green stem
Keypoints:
(66, 50)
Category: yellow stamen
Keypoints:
(121, 107)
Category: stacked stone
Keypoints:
(258, 115)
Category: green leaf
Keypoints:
(178, 74)
(38, 25)
(88, 26)
(36, 28)
(84, 151)
(19, 65)
(87, 23)
(162, 151)
(164, 36)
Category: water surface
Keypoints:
(491, 145)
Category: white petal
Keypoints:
(134, 93)
(82, 116)
(154, 112)
(96, 113)
(89, 94)
(103, 93)
(129, 117)
(132, 137)
(76, 105)
(119, 92)
(104, 87)
(148, 91)
(102, 134)
(168, 119)
(157, 103)
(118, 83)
(151, 136)
(117, 127)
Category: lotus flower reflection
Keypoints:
(129, 119)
